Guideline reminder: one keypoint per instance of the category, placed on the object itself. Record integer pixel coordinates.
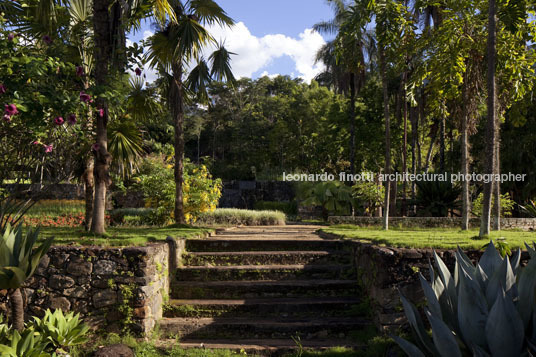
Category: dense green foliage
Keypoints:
(483, 310)
(233, 217)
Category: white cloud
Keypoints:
(255, 53)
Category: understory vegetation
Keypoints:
(234, 216)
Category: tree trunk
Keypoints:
(17, 309)
(177, 110)
(351, 113)
(491, 122)
(414, 120)
(442, 144)
(466, 202)
(404, 146)
(103, 54)
(497, 186)
(89, 191)
(383, 69)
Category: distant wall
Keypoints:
(244, 194)
(431, 222)
(58, 191)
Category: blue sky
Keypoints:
(270, 36)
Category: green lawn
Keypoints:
(430, 237)
(121, 236)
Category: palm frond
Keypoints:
(125, 145)
(209, 12)
(221, 65)
(198, 80)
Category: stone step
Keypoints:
(266, 258)
(268, 244)
(260, 347)
(262, 289)
(265, 272)
(268, 307)
(255, 328)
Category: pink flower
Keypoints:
(79, 71)
(71, 119)
(10, 36)
(101, 112)
(138, 71)
(59, 121)
(84, 97)
(48, 148)
(36, 143)
(6, 118)
(11, 109)
(47, 39)
(2, 89)
(95, 147)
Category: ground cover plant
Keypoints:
(447, 238)
(234, 216)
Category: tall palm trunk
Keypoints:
(491, 124)
(405, 144)
(466, 202)
(103, 53)
(17, 309)
(89, 188)
(497, 186)
(351, 113)
(383, 70)
(442, 144)
(177, 110)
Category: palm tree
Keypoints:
(171, 50)
(18, 261)
(491, 125)
(344, 58)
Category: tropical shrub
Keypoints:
(482, 310)
(332, 196)
(18, 261)
(437, 198)
(369, 194)
(235, 216)
(200, 191)
(507, 205)
(61, 331)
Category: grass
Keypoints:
(234, 216)
(56, 207)
(121, 236)
(447, 238)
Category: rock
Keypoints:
(43, 265)
(76, 292)
(79, 267)
(60, 282)
(105, 267)
(118, 350)
(80, 306)
(60, 303)
(104, 298)
(59, 259)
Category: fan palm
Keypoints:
(172, 49)
(18, 261)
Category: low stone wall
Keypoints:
(111, 288)
(57, 191)
(431, 222)
(244, 194)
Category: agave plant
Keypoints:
(18, 261)
(482, 310)
(24, 344)
(62, 331)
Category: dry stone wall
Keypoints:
(111, 288)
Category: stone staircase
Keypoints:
(261, 289)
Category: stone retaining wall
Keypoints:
(431, 222)
(112, 288)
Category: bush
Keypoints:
(234, 216)
(200, 192)
(369, 194)
(289, 208)
(482, 310)
(507, 205)
(131, 216)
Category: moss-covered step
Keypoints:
(265, 272)
(266, 258)
(268, 307)
(239, 245)
(262, 289)
(229, 328)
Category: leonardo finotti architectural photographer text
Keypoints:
(405, 176)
